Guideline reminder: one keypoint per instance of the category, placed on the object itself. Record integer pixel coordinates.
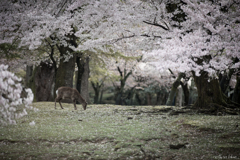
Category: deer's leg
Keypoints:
(58, 99)
(60, 102)
(55, 102)
(74, 103)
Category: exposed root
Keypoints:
(217, 109)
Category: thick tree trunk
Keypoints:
(209, 92)
(65, 71)
(42, 82)
(210, 96)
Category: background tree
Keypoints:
(204, 44)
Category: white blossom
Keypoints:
(11, 101)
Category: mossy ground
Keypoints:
(119, 132)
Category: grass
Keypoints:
(119, 132)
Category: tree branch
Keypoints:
(158, 25)
(120, 72)
(124, 37)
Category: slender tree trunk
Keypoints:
(186, 93)
(80, 66)
(119, 90)
(100, 101)
(29, 72)
(158, 99)
(149, 99)
(179, 95)
(174, 89)
(139, 100)
(236, 94)
(96, 88)
(225, 80)
(82, 77)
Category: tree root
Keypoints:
(217, 109)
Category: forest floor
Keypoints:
(120, 132)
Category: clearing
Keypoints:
(120, 132)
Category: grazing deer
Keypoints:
(69, 93)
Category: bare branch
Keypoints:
(158, 25)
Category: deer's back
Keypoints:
(67, 92)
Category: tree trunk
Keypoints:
(209, 92)
(96, 88)
(174, 90)
(158, 99)
(179, 95)
(139, 100)
(82, 77)
(29, 72)
(225, 80)
(101, 96)
(119, 90)
(42, 82)
(65, 71)
(186, 93)
(80, 66)
(210, 96)
(149, 99)
(236, 94)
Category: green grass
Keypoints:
(119, 132)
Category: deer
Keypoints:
(70, 93)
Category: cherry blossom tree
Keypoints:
(72, 26)
(12, 104)
(204, 43)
